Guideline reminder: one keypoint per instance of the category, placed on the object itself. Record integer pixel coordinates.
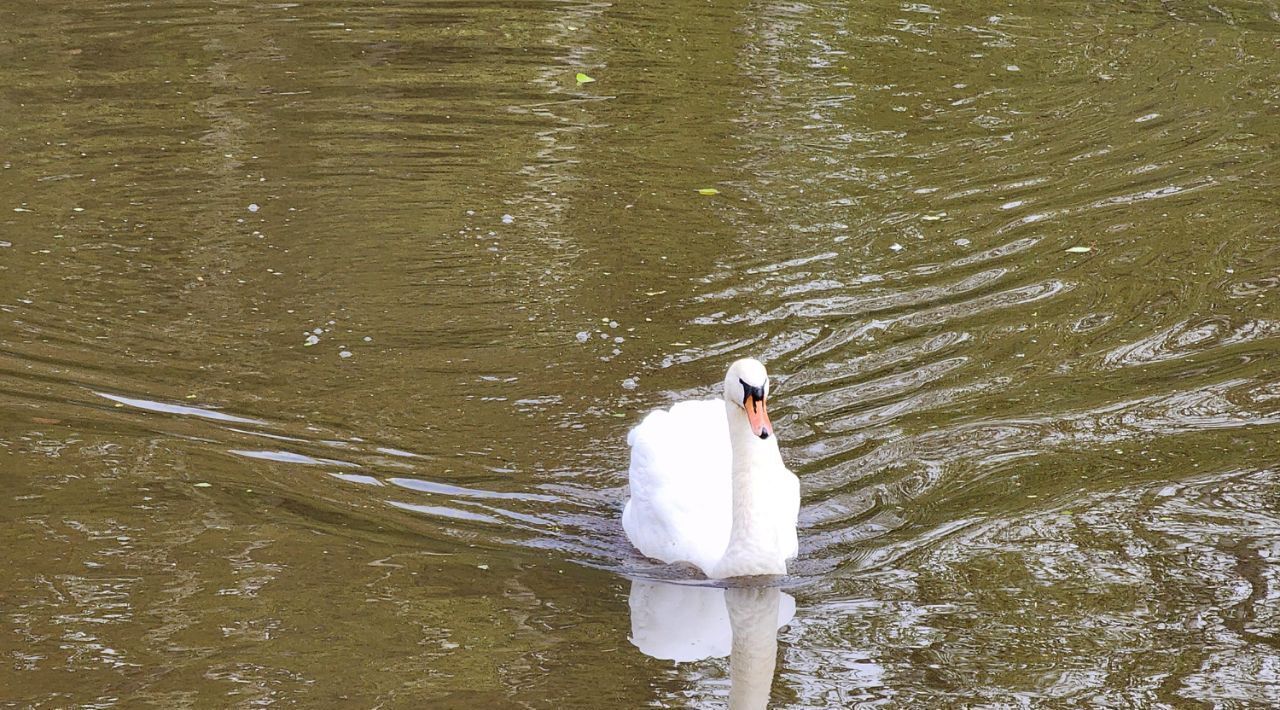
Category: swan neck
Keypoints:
(753, 539)
(750, 452)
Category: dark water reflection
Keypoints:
(321, 327)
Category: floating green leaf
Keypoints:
(1079, 250)
(708, 191)
(583, 78)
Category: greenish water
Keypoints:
(1031, 477)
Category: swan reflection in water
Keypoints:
(683, 623)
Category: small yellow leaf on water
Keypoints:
(708, 191)
(1079, 250)
(202, 484)
(583, 78)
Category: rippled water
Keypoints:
(322, 325)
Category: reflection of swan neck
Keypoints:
(753, 614)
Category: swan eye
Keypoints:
(749, 392)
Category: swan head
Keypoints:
(746, 385)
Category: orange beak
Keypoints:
(758, 417)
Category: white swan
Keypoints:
(708, 486)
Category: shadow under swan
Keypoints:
(683, 623)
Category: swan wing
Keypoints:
(681, 491)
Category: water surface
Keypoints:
(322, 325)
